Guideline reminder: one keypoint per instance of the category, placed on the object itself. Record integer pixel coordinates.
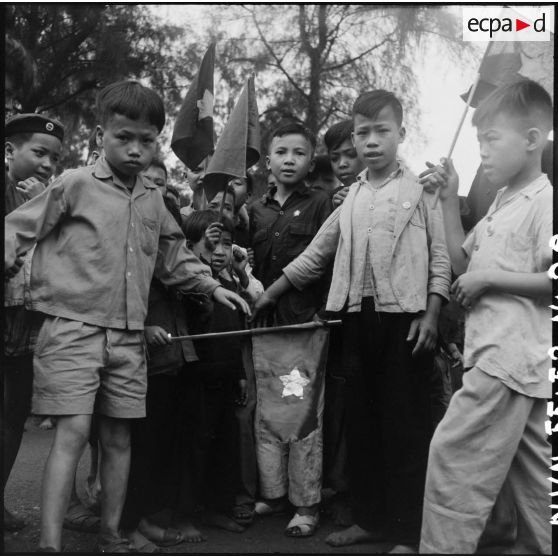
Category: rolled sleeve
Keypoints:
(439, 267)
(312, 263)
(177, 265)
(33, 220)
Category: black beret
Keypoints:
(31, 123)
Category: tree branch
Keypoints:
(358, 57)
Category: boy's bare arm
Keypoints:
(269, 298)
(470, 286)
(455, 236)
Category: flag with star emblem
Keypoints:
(289, 370)
(192, 137)
(238, 147)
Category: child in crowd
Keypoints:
(390, 277)
(282, 224)
(493, 431)
(322, 176)
(217, 380)
(33, 144)
(96, 299)
(285, 219)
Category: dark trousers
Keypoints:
(209, 445)
(18, 385)
(248, 467)
(387, 405)
(153, 479)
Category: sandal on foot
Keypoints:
(147, 548)
(114, 545)
(263, 508)
(79, 518)
(243, 514)
(302, 525)
(171, 537)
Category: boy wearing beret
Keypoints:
(32, 150)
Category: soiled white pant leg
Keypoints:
(272, 468)
(470, 456)
(528, 480)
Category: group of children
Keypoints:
(117, 271)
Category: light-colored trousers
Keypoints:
(292, 467)
(490, 434)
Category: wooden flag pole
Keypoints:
(458, 131)
(258, 330)
(222, 208)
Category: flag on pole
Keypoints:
(289, 371)
(238, 147)
(192, 137)
(506, 62)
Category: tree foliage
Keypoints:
(76, 49)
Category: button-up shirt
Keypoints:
(279, 233)
(98, 246)
(373, 224)
(508, 336)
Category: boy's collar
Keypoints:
(301, 188)
(363, 176)
(102, 170)
(531, 190)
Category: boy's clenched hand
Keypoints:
(339, 197)
(30, 187)
(13, 270)
(426, 328)
(262, 309)
(470, 286)
(156, 335)
(440, 177)
(230, 299)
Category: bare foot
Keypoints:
(220, 520)
(189, 533)
(403, 549)
(353, 535)
(141, 544)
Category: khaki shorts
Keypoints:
(76, 363)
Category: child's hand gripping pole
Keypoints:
(457, 132)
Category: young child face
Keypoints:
(228, 208)
(240, 190)
(203, 249)
(37, 157)
(290, 158)
(345, 163)
(376, 141)
(129, 145)
(195, 176)
(503, 148)
(157, 176)
(222, 255)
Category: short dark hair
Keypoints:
(322, 167)
(196, 223)
(288, 128)
(133, 100)
(337, 134)
(524, 99)
(369, 104)
(20, 138)
(158, 162)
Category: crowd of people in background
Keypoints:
(106, 264)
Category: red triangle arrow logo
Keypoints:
(519, 25)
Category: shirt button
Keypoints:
(276, 234)
(129, 274)
(489, 219)
(132, 225)
(369, 229)
(476, 246)
(273, 258)
(281, 212)
(371, 206)
(131, 249)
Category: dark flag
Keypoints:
(289, 370)
(192, 137)
(238, 147)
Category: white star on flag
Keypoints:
(296, 213)
(205, 105)
(293, 384)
